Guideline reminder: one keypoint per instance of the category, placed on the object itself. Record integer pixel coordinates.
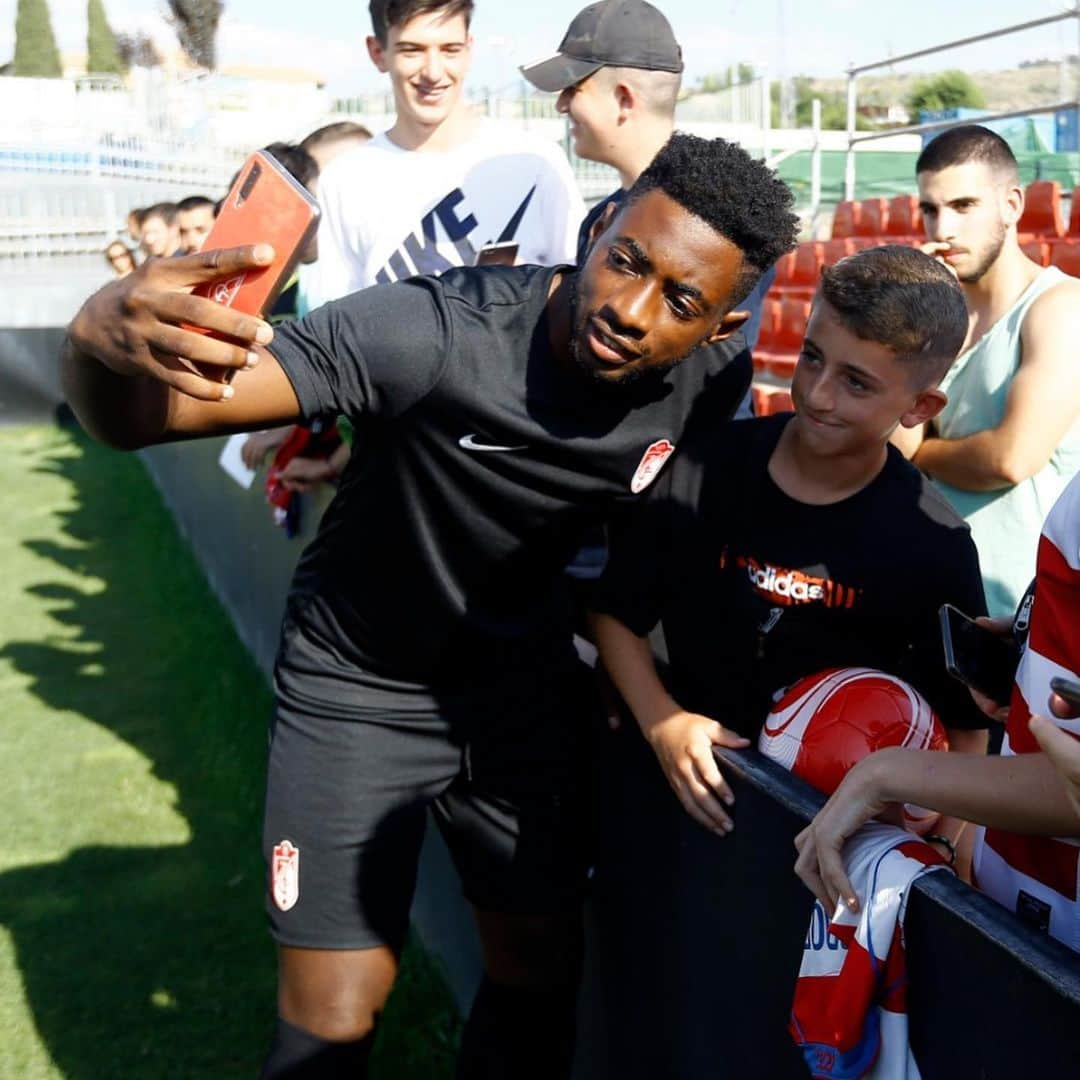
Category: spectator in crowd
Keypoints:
(134, 225)
(119, 256)
(1024, 803)
(441, 183)
(1008, 442)
(427, 655)
(618, 72)
(325, 143)
(194, 220)
(771, 549)
(159, 235)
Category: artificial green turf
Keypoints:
(133, 734)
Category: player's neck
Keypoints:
(999, 288)
(457, 127)
(807, 476)
(632, 160)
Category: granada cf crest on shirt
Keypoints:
(651, 463)
(285, 875)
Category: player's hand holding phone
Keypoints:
(138, 324)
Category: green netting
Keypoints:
(886, 172)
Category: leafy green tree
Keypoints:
(949, 90)
(36, 55)
(102, 55)
(196, 23)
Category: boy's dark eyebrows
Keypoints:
(809, 345)
(861, 373)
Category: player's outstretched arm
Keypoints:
(128, 364)
(683, 741)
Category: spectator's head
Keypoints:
(300, 165)
(970, 196)
(194, 219)
(885, 326)
(325, 143)
(160, 235)
(617, 73)
(425, 47)
(119, 256)
(667, 269)
(134, 224)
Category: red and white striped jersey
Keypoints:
(1039, 877)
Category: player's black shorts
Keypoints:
(509, 776)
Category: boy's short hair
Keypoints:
(900, 298)
(164, 210)
(297, 162)
(738, 196)
(969, 142)
(387, 13)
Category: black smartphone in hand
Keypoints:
(979, 658)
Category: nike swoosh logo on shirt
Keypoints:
(468, 442)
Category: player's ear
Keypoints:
(927, 404)
(600, 225)
(377, 51)
(728, 325)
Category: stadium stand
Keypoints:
(1045, 236)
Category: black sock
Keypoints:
(299, 1055)
(517, 1034)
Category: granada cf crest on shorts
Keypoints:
(285, 875)
(651, 463)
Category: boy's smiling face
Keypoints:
(850, 394)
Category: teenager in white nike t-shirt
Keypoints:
(441, 183)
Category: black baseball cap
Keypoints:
(612, 33)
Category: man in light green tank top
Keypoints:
(1008, 441)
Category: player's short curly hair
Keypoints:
(904, 300)
(741, 198)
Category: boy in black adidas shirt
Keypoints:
(775, 548)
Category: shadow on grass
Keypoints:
(152, 961)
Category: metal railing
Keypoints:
(853, 72)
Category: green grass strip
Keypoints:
(133, 735)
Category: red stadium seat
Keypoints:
(846, 219)
(832, 251)
(1042, 210)
(1066, 257)
(1074, 213)
(873, 218)
(905, 218)
(785, 267)
(794, 313)
(1039, 250)
(770, 399)
(809, 257)
(770, 321)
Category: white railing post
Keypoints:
(849, 158)
(815, 158)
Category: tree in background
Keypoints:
(102, 55)
(949, 90)
(36, 55)
(196, 23)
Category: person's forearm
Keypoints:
(1021, 793)
(984, 461)
(629, 661)
(125, 412)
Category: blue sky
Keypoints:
(821, 37)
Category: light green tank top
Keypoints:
(1004, 524)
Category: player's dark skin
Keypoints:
(659, 282)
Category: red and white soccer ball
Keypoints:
(820, 727)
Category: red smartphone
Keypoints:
(264, 205)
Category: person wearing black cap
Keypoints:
(618, 71)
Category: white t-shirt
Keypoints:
(390, 213)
